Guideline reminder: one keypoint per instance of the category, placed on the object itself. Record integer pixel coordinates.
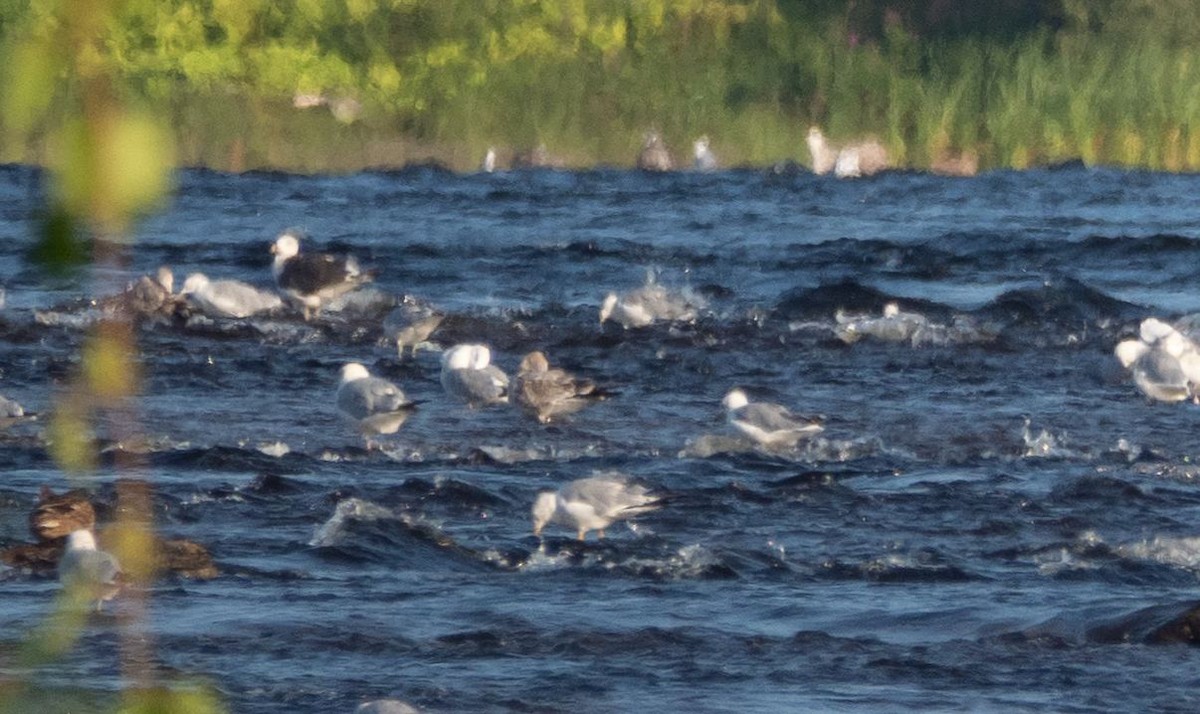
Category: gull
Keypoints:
(592, 503)
(148, 296)
(489, 161)
(469, 376)
(548, 393)
(227, 298)
(374, 404)
(10, 412)
(86, 573)
(654, 155)
(307, 279)
(410, 324)
(768, 424)
(386, 706)
(705, 160)
(1164, 363)
(646, 305)
(862, 158)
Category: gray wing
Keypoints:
(237, 299)
(611, 496)
(773, 417)
(476, 386)
(373, 395)
(1160, 376)
(88, 567)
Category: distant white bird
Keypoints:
(87, 573)
(862, 158)
(592, 503)
(768, 424)
(654, 155)
(469, 376)
(310, 278)
(648, 304)
(374, 404)
(489, 161)
(227, 298)
(705, 160)
(893, 326)
(410, 324)
(548, 393)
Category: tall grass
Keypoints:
(588, 79)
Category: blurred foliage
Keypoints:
(1018, 81)
(77, 75)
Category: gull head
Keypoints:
(194, 282)
(891, 310)
(164, 277)
(607, 307)
(286, 246)
(700, 146)
(1153, 329)
(815, 137)
(352, 371)
(81, 539)
(459, 357)
(481, 356)
(535, 362)
(736, 399)
(1130, 351)
(543, 510)
(1175, 344)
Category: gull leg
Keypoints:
(582, 534)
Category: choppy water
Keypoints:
(982, 526)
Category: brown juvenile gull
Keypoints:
(57, 515)
(592, 503)
(227, 298)
(86, 573)
(548, 393)
(375, 405)
(768, 424)
(469, 376)
(309, 278)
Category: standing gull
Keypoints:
(374, 404)
(592, 503)
(768, 424)
(307, 279)
(548, 393)
(410, 324)
(227, 298)
(705, 160)
(469, 376)
(86, 573)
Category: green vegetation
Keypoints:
(1019, 82)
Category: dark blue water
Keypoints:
(992, 520)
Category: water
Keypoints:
(982, 526)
